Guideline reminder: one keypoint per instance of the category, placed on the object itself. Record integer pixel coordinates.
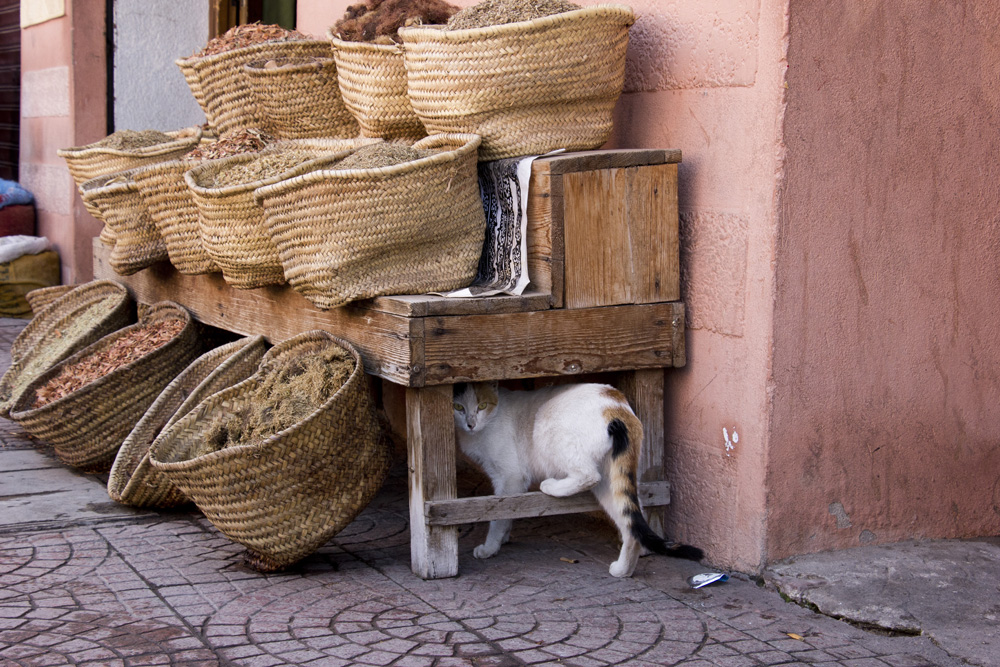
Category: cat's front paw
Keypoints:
(485, 551)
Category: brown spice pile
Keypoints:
(262, 167)
(501, 12)
(125, 349)
(379, 21)
(287, 395)
(382, 154)
(248, 35)
(123, 139)
(247, 140)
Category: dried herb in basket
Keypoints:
(501, 12)
(126, 139)
(248, 35)
(238, 142)
(379, 21)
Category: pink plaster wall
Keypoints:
(67, 108)
(707, 78)
(886, 355)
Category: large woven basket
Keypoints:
(133, 481)
(43, 296)
(219, 83)
(352, 234)
(87, 426)
(231, 221)
(372, 79)
(527, 88)
(70, 323)
(174, 214)
(285, 497)
(91, 161)
(299, 98)
(137, 241)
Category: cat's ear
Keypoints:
(494, 385)
(459, 389)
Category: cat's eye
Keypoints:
(458, 407)
(483, 405)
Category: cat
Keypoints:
(567, 439)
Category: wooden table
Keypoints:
(603, 256)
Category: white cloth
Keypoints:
(12, 247)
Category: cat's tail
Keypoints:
(625, 430)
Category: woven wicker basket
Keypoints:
(91, 161)
(174, 214)
(527, 88)
(133, 481)
(372, 80)
(283, 498)
(73, 321)
(219, 83)
(87, 426)
(43, 296)
(353, 234)
(299, 98)
(231, 221)
(137, 241)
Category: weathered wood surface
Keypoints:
(620, 230)
(564, 163)
(431, 458)
(489, 508)
(644, 391)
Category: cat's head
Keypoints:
(475, 403)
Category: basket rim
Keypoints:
(315, 63)
(180, 140)
(162, 306)
(436, 33)
(197, 62)
(198, 412)
(347, 45)
(470, 143)
(240, 188)
(129, 185)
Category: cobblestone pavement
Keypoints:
(166, 588)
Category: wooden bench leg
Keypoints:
(644, 390)
(431, 460)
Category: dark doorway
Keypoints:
(10, 87)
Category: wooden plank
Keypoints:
(390, 344)
(431, 458)
(548, 342)
(522, 505)
(644, 391)
(565, 163)
(422, 305)
(542, 202)
(598, 268)
(653, 224)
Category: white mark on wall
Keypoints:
(730, 441)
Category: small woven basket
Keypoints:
(299, 98)
(528, 87)
(219, 83)
(137, 241)
(133, 481)
(231, 221)
(372, 79)
(91, 161)
(70, 323)
(43, 296)
(353, 234)
(174, 214)
(285, 497)
(87, 426)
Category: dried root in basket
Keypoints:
(379, 21)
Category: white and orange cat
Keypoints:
(566, 439)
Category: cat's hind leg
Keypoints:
(628, 558)
(575, 482)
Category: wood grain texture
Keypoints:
(653, 224)
(644, 391)
(548, 342)
(522, 505)
(431, 458)
(565, 163)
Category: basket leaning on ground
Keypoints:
(133, 481)
(231, 221)
(284, 497)
(299, 98)
(219, 83)
(87, 426)
(73, 321)
(528, 87)
(372, 82)
(91, 161)
(137, 241)
(43, 296)
(347, 234)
